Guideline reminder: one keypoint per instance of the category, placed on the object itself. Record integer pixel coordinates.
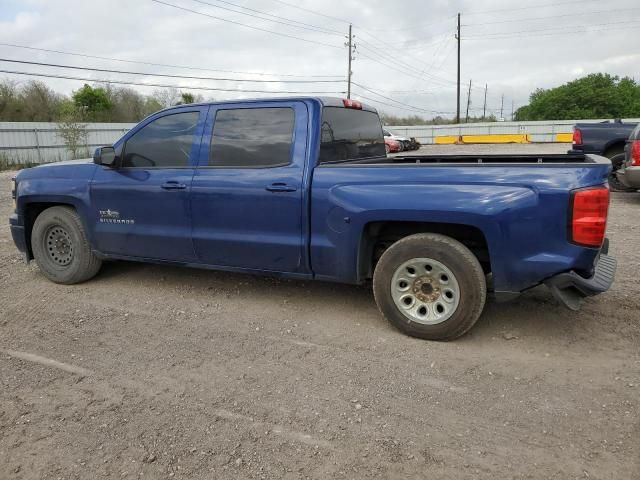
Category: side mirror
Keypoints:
(105, 156)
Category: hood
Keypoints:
(80, 161)
(68, 169)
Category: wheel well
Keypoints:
(378, 236)
(31, 212)
(614, 149)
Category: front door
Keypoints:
(247, 193)
(142, 206)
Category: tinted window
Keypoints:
(165, 142)
(252, 137)
(349, 134)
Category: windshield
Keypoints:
(349, 134)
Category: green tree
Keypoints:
(186, 97)
(94, 103)
(598, 95)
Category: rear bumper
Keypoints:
(18, 234)
(570, 288)
(629, 177)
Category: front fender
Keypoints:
(32, 189)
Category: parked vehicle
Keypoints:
(629, 174)
(302, 188)
(391, 145)
(414, 144)
(606, 139)
(405, 143)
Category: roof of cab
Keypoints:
(324, 101)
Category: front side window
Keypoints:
(349, 134)
(165, 142)
(252, 137)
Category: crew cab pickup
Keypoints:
(607, 139)
(302, 188)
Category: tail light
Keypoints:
(589, 208)
(577, 137)
(348, 103)
(635, 153)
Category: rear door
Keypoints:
(142, 207)
(247, 193)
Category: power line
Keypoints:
(184, 87)
(393, 67)
(396, 62)
(426, 110)
(396, 58)
(553, 29)
(413, 110)
(419, 27)
(510, 9)
(551, 34)
(441, 48)
(184, 67)
(288, 22)
(405, 46)
(246, 25)
(126, 72)
(312, 11)
(528, 19)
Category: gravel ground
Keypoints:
(157, 372)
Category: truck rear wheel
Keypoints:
(61, 248)
(430, 286)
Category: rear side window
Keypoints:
(165, 142)
(252, 137)
(349, 134)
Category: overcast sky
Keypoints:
(405, 50)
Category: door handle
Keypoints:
(280, 187)
(173, 185)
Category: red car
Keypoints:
(391, 145)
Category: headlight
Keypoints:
(13, 193)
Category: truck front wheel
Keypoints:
(61, 248)
(430, 286)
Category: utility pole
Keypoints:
(458, 89)
(468, 102)
(484, 109)
(512, 104)
(501, 106)
(349, 43)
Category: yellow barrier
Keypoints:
(506, 138)
(564, 137)
(496, 138)
(447, 139)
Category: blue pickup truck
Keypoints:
(302, 188)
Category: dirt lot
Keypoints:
(157, 372)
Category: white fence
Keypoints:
(543, 131)
(35, 142)
(39, 142)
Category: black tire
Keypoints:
(615, 185)
(453, 255)
(61, 248)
